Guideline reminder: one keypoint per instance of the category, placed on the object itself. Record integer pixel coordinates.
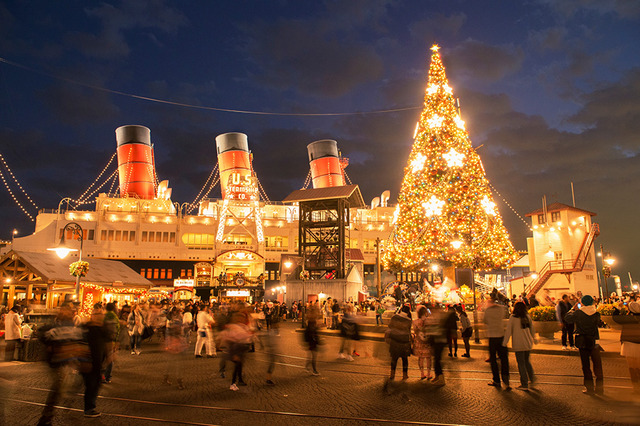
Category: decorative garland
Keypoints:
(136, 291)
(79, 268)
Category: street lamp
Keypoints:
(607, 262)
(62, 249)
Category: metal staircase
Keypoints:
(564, 266)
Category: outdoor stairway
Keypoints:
(564, 266)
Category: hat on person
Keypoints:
(587, 300)
(634, 307)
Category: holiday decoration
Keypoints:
(445, 211)
(79, 268)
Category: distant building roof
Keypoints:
(351, 192)
(554, 207)
(355, 254)
(103, 272)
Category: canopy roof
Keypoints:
(49, 268)
(350, 192)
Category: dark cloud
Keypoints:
(77, 105)
(473, 59)
(110, 42)
(306, 57)
(624, 9)
(437, 26)
(553, 38)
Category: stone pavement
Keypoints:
(345, 393)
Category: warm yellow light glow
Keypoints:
(433, 207)
(435, 122)
(456, 244)
(287, 264)
(435, 267)
(534, 276)
(488, 206)
(453, 158)
(609, 261)
(417, 163)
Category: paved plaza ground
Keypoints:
(345, 393)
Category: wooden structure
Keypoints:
(323, 228)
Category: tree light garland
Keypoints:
(445, 210)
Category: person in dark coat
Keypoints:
(61, 339)
(312, 340)
(96, 337)
(398, 337)
(451, 329)
(586, 320)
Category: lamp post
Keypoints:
(607, 262)
(62, 249)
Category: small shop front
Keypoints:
(183, 289)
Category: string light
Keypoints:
(211, 175)
(84, 196)
(445, 213)
(6, 185)
(88, 199)
(17, 182)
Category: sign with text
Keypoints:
(183, 283)
(238, 293)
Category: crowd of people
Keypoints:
(89, 345)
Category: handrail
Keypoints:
(564, 266)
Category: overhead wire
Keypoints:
(200, 107)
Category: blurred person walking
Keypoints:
(13, 332)
(520, 331)
(398, 337)
(176, 346)
(238, 338)
(451, 329)
(205, 336)
(62, 340)
(421, 346)
(465, 330)
(586, 320)
(135, 326)
(312, 340)
(494, 316)
(630, 339)
(112, 329)
(96, 339)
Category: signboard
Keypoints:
(242, 187)
(183, 283)
(238, 293)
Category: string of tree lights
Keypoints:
(445, 210)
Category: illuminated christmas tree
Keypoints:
(445, 211)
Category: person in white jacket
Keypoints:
(13, 332)
(520, 331)
(205, 336)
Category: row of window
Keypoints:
(164, 274)
(555, 217)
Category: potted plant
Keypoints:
(544, 321)
(607, 310)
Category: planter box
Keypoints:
(608, 319)
(546, 329)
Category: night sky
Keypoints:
(550, 89)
